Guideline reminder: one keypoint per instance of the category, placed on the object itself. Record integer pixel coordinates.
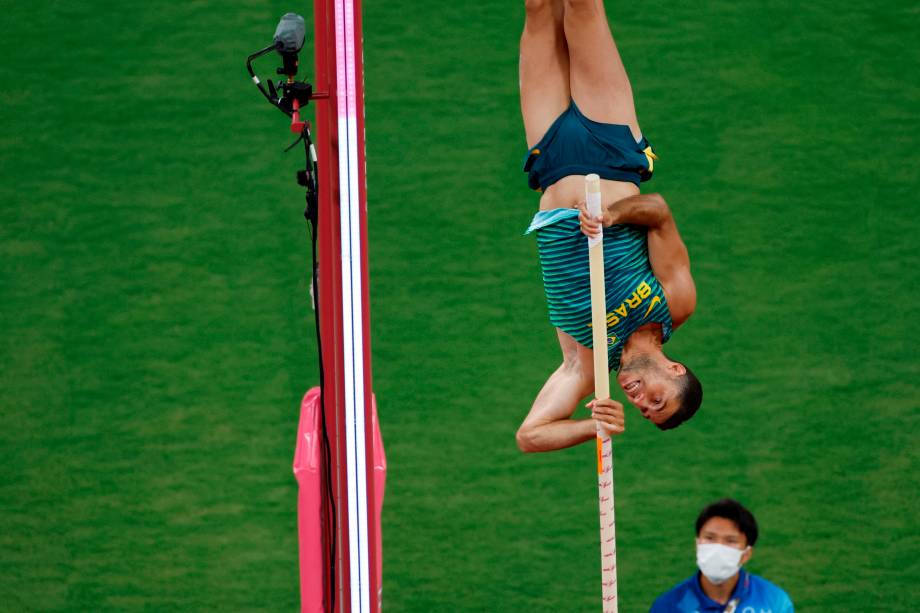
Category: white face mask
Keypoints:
(718, 563)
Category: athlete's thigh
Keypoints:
(544, 67)
(597, 77)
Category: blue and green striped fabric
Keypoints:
(634, 296)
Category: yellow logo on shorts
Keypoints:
(651, 157)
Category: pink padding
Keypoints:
(380, 479)
(308, 471)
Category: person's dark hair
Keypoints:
(731, 510)
(690, 392)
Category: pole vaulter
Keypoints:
(339, 460)
(616, 312)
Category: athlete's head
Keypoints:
(666, 392)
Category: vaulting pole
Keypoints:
(602, 391)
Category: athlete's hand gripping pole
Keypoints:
(602, 391)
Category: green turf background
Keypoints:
(155, 333)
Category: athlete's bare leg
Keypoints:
(597, 79)
(544, 67)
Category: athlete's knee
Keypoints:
(543, 14)
(536, 7)
(576, 8)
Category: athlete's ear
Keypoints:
(677, 369)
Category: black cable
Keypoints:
(311, 181)
(255, 78)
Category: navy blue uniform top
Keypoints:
(754, 594)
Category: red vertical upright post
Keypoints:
(356, 451)
(329, 302)
(374, 463)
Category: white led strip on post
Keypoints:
(352, 304)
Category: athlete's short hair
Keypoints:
(690, 392)
(734, 511)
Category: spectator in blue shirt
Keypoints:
(725, 537)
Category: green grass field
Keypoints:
(156, 336)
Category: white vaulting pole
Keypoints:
(602, 391)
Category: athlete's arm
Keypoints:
(549, 425)
(666, 250)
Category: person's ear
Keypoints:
(747, 555)
(677, 369)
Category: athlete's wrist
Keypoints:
(612, 216)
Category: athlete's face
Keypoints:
(651, 385)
